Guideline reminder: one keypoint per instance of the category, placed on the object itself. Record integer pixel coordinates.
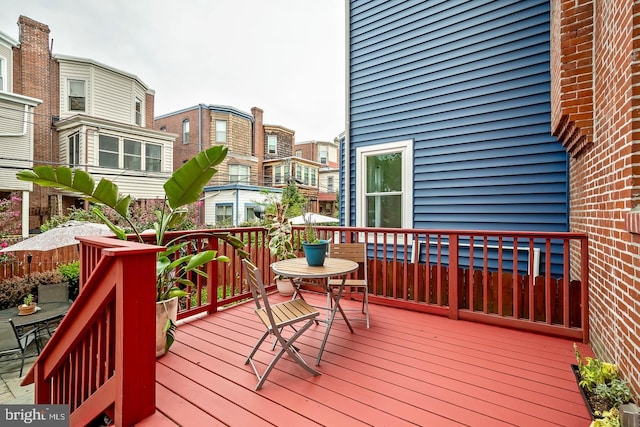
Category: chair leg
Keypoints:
(255, 347)
(286, 345)
(365, 305)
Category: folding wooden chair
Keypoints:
(355, 252)
(275, 318)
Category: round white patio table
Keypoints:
(333, 267)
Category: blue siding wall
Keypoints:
(469, 82)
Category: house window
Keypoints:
(185, 131)
(384, 182)
(108, 152)
(138, 112)
(306, 176)
(224, 214)
(277, 174)
(132, 155)
(298, 153)
(74, 150)
(3, 74)
(330, 188)
(221, 131)
(152, 158)
(298, 172)
(323, 157)
(313, 177)
(239, 173)
(77, 96)
(250, 214)
(272, 142)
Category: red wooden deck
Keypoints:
(409, 369)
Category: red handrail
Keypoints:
(101, 358)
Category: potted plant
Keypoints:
(173, 265)
(280, 244)
(27, 306)
(602, 389)
(315, 249)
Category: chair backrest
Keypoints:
(254, 279)
(8, 342)
(23, 334)
(56, 292)
(356, 252)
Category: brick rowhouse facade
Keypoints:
(595, 74)
(35, 74)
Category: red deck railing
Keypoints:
(101, 359)
(525, 280)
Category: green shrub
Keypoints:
(71, 274)
(13, 290)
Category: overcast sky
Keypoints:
(284, 56)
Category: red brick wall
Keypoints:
(604, 172)
(36, 75)
(183, 152)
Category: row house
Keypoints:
(92, 117)
(326, 153)
(259, 159)
(16, 132)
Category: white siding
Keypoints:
(75, 71)
(113, 98)
(240, 202)
(16, 136)
(110, 95)
(6, 54)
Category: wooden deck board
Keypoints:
(409, 368)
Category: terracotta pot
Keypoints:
(165, 310)
(285, 287)
(26, 309)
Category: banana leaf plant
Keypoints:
(184, 187)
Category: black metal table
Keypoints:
(48, 311)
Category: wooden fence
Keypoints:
(40, 261)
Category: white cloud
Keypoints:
(284, 56)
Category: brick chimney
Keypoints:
(258, 140)
(36, 75)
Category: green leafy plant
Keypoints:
(280, 236)
(310, 230)
(609, 419)
(28, 300)
(603, 387)
(616, 392)
(14, 289)
(71, 274)
(184, 187)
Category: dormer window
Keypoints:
(272, 142)
(185, 131)
(221, 131)
(138, 112)
(3, 73)
(323, 157)
(77, 95)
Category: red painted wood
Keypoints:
(409, 368)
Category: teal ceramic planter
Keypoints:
(315, 252)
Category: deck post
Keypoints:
(453, 276)
(135, 373)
